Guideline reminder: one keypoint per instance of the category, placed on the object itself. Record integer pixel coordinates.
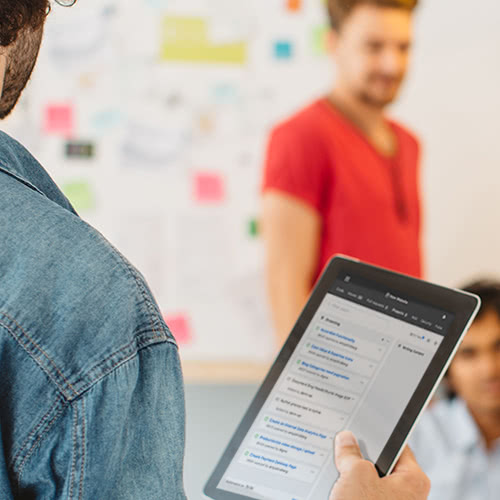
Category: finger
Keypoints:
(406, 462)
(407, 471)
(347, 451)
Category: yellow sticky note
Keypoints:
(186, 39)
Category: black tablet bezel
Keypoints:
(463, 305)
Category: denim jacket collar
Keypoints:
(19, 164)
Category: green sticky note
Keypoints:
(320, 40)
(253, 228)
(80, 194)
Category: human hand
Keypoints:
(359, 479)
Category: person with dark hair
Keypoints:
(458, 439)
(340, 177)
(19, 54)
(91, 392)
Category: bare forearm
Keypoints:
(287, 300)
(291, 232)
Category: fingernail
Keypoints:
(345, 438)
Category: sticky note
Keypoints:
(206, 122)
(225, 92)
(106, 119)
(294, 5)
(283, 49)
(186, 39)
(59, 119)
(84, 150)
(253, 228)
(157, 4)
(80, 194)
(209, 187)
(320, 39)
(180, 327)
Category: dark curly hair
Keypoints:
(489, 292)
(18, 15)
(338, 10)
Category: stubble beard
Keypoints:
(370, 100)
(22, 55)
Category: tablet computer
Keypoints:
(366, 354)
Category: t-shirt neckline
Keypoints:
(332, 109)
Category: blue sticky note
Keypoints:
(157, 4)
(283, 49)
(225, 92)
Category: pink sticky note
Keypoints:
(180, 327)
(209, 187)
(59, 119)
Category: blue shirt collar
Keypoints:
(467, 434)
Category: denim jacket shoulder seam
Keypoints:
(123, 355)
(84, 451)
(34, 431)
(152, 311)
(35, 438)
(43, 427)
(50, 368)
(30, 347)
(74, 432)
(156, 328)
(78, 438)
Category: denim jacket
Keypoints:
(91, 391)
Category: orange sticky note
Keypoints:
(180, 327)
(209, 187)
(59, 119)
(294, 5)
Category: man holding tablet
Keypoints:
(365, 355)
(359, 479)
(91, 399)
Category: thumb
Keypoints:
(347, 451)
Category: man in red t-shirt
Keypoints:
(340, 176)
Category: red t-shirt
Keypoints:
(369, 203)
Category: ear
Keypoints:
(332, 41)
(3, 70)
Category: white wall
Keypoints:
(102, 58)
(452, 99)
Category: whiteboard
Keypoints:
(153, 117)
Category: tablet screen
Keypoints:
(355, 367)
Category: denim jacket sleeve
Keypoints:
(94, 416)
(91, 391)
(123, 439)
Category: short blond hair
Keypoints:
(338, 10)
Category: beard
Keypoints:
(380, 90)
(21, 59)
